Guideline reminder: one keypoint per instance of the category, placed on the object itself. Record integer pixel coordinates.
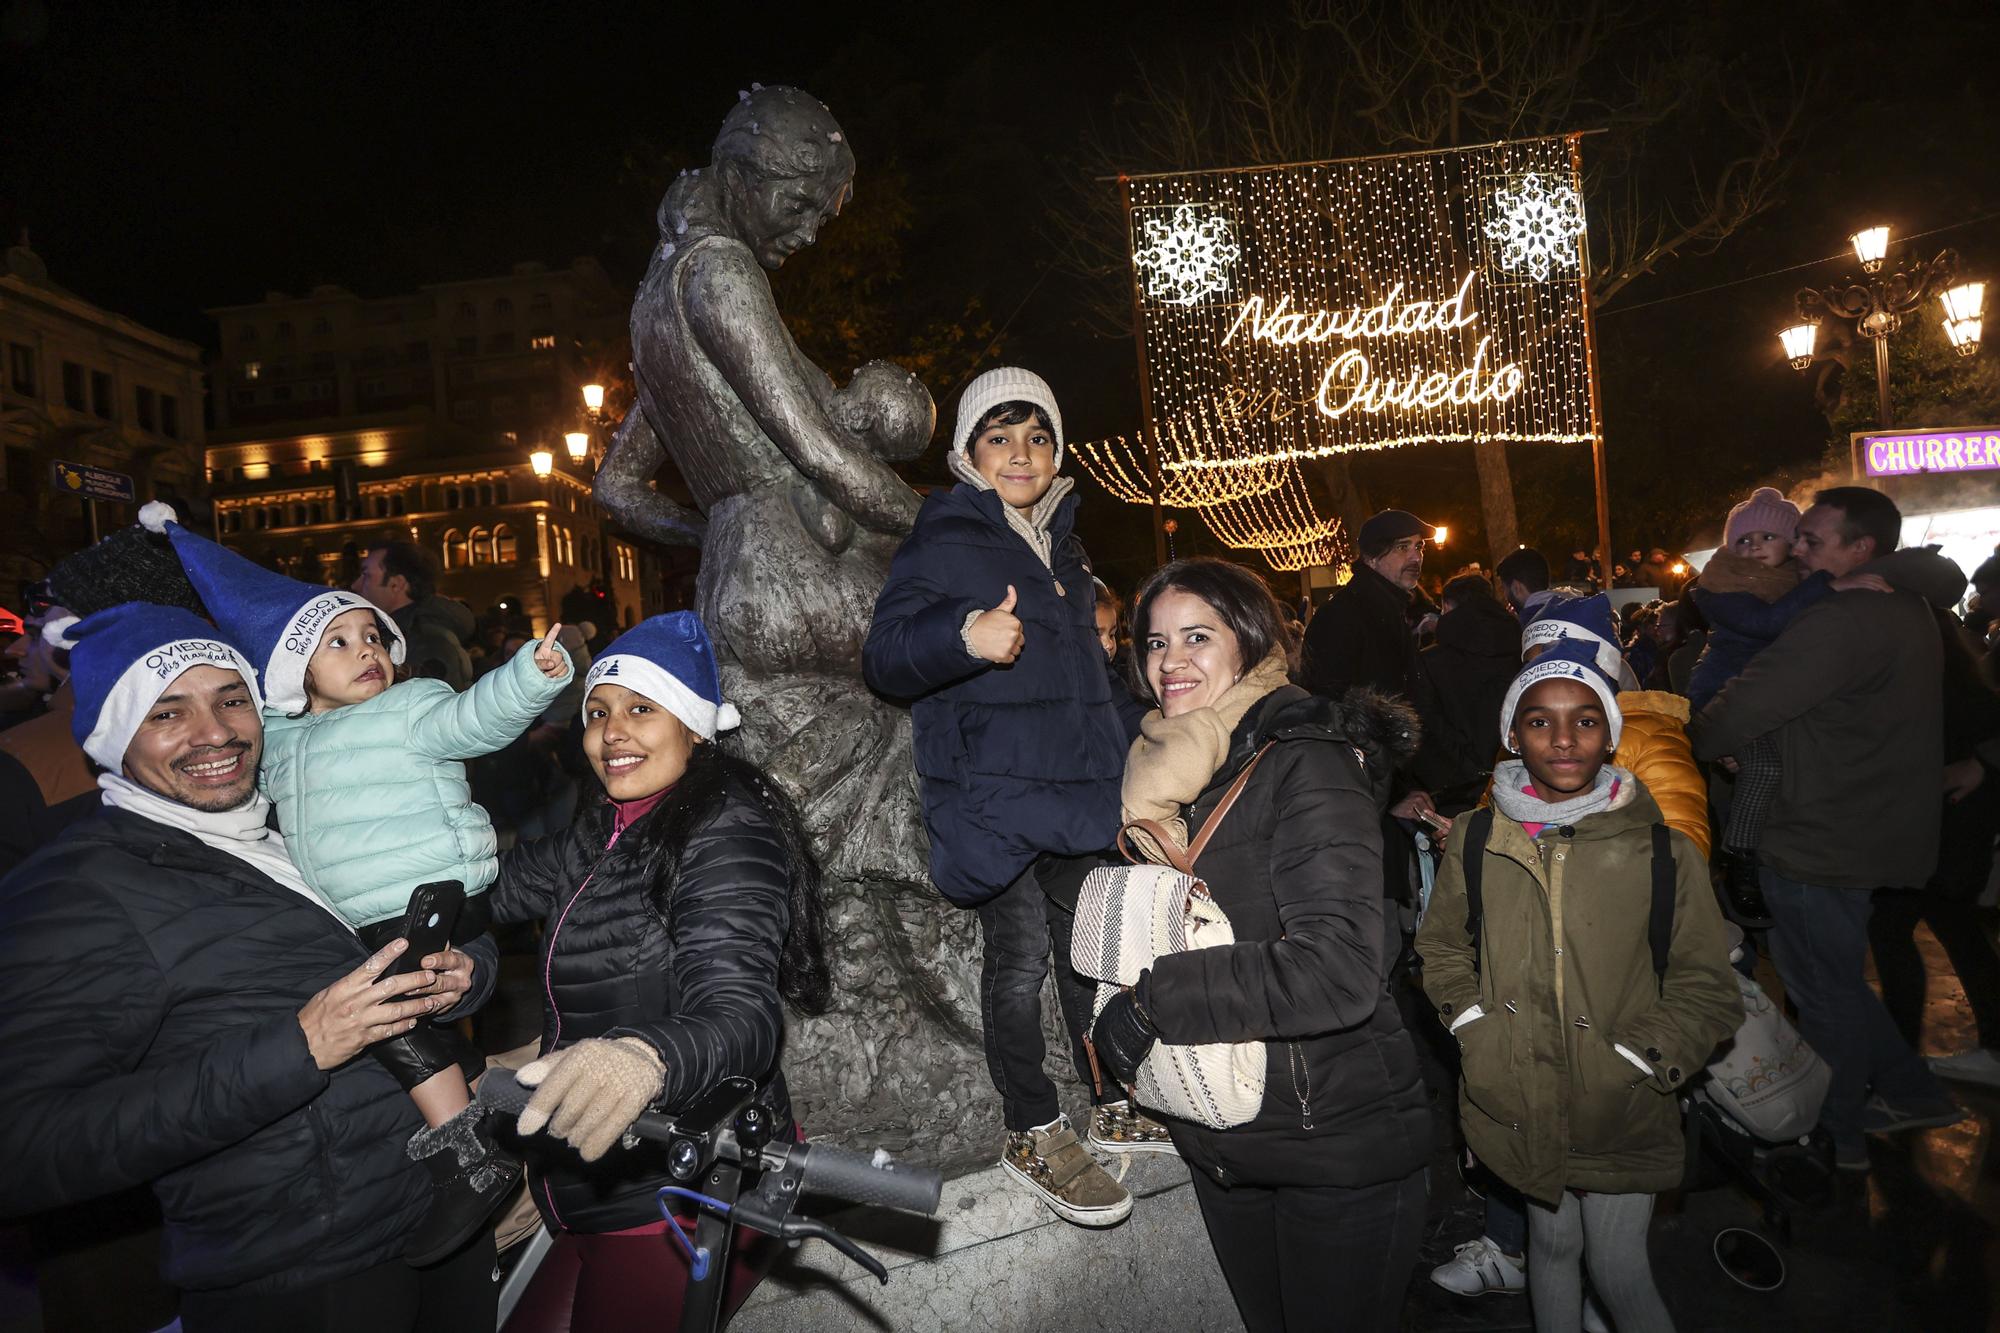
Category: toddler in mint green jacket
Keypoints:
(368, 778)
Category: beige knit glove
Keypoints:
(590, 1093)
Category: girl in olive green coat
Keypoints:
(1578, 1020)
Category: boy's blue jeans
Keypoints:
(1020, 927)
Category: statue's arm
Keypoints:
(729, 308)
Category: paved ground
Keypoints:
(1914, 1246)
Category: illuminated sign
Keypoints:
(1291, 313)
(1908, 453)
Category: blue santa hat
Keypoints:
(1570, 659)
(278, 620)
(123, 659)
(1585, 619)
(669, 660)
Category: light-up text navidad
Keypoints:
(1349, 380)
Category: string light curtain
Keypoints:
(1290, 313)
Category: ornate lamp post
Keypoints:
(1878, 303)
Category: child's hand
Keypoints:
(996, 635)
(553, 661)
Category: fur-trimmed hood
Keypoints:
(1381, 729)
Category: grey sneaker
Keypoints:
(1064, 1175)
(1118, 1127)
(1882, 1116)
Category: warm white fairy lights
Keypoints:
(1536, 223)
(1422, 299)
(1187, 253)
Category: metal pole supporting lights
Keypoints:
(1878, 303)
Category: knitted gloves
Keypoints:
(590, 1093)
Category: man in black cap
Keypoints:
(1361, 636)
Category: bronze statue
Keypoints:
(798, 516)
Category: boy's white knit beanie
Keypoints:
(1005, 384)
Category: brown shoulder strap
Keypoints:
(1208, 826)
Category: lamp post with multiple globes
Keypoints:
(1877, 304)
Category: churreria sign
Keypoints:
(1907, 453)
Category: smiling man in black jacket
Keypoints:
(179, 1010)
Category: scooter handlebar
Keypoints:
(856, 1177)
(873, 1180)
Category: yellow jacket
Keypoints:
(1653, 744)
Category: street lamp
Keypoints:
(1439, 534)
(544, 462)
(1963, 306)
(1877, 304)
(593, 397)
(578, 443)
(1798, 343)
(1870, 246)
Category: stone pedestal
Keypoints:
(996, 1261)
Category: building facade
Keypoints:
(81, 385)
(342, 421)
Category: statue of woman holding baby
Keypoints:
(798, 516)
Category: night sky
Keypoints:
(176, 156)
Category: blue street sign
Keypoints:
(93, 483)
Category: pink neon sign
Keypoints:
(1906, 453)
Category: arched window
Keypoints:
(505, 549)
(485, 493)
(315, 513)
(479, 546)
(503, 306)
(451, 497)
(454, 549)
(298, 515)
(396, 505)
(500, 492)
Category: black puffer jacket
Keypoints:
(701, 987)
(1297, 866)
(149, 996)
(1476, 657)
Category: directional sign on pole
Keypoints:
(93, 483)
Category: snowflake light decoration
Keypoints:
(1538, 223)
(1186, 256)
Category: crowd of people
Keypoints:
(229, 783)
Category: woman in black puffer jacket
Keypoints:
(1316, 1206)
(680, 916)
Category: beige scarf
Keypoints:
(1033, 526)
(1174, 759)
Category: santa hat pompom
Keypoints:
(154, 515)
(56, 631)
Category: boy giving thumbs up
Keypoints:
(987, 626)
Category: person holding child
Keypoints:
(987, 626)
(368, 777)
(1574, 947)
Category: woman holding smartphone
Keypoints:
(680, 916)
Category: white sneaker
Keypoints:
(1977, 1066)
(1481, 1268)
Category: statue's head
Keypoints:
(782, 168)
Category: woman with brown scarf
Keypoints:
(1316, 1205)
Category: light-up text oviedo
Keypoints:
(1349, 380)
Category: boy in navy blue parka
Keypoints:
(987, 626)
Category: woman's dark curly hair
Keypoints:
(662, 835)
